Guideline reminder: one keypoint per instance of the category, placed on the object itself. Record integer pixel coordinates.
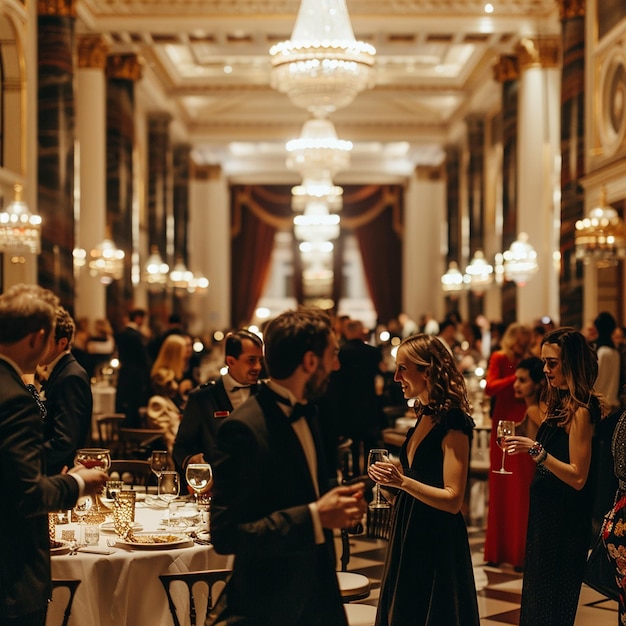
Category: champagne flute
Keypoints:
(158, 462)
(83, 505)
(504, 429)
(375, 455)
(168, 489)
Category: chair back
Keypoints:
(135, 442)
(108, 431)
(71, 585)
(208, 579)
(132, 471)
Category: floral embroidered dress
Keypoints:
(428, 578)
(558, 537)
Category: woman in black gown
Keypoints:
(428, 577)
(561, 493)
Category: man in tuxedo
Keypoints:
(210, 403)
(133, 379)
(271, 505)
(27, 318)
(66, 394)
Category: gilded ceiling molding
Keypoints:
(569, 9)
(92, 52)
(124, 67)
(539, 51)
(58, 8)
(205, 172)
(507, 68)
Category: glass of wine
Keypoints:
(200, 478)
(94, 457)
(82, 507)
(375, 455)
(504, 429)
(158, 462)
(168, 489)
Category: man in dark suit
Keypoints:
(271, 505)
(133, 379)
(210, 403)
(66, 394)
(27, 317)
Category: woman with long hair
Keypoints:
(428, 577)
(561, 493)
(174, 354)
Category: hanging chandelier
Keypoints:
(520, 261)
(322, 67)
(601, 237)
(20, 230)
(316, 224)
(452, 281)
(156, 270)
(106, 262)
(479, 274)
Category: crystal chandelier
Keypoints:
(155, 273)
(316, 224)
(452, 281)
(601, 237)
(20, 230)
(322, 67)
(180, 276)
(106, 262)
(479, 274)
(520, 261)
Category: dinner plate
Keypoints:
(170, 540)
(108, 527)
(64, 548)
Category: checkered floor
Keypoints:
(498, 589)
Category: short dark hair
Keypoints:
(65, 326)
(291, 335)
(234, 345)
(133, 314)
(534, 366)
(25, 309)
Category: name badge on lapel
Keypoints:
(221, 413)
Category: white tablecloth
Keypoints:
(124, 588)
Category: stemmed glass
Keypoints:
(158, 462)
(81, 508)
(168, 489)
(94, 457)
(200, 478)
(504, 429)
(375, 455)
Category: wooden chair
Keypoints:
(108, 431)
(132, 471)
(71, 585)
(206, 577)
(136, 442)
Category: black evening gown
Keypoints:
(558, 538)
(428, 577)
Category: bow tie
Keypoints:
(238, 387)
(42, 408)
(302, 410)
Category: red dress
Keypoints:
(505, 538)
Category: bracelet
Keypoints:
(542, 457)
(535, 450)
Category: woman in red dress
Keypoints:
(505, 538)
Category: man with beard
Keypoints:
(271, 503)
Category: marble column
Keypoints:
(181, 168)
(91, 183)
(56, 141)
(538, 171)
(123, 70)
(209, 245)
(573, 272)
(423, 257)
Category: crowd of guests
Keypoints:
(277, 414)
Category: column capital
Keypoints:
(205, 172)
(506, 69)
(569, 9)
(124, 66)
(430, 173)
(159, 121)
(58, 8)
(92, 52)
(540, 51)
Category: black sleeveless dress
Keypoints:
(428, 577)
(559, 532)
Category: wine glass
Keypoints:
(375, 455)
(94, 457)
(505, 428)
(200, 478)
(82, 507)
(158, 462)
(168, 489)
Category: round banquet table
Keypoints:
(123, 588)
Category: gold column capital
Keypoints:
(92, 52)
(540, 51)
(430, 173)
(569, 9)
(58, 8)
(205, 172)
(125, 66)
(506, 68)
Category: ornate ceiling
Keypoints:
(207, 63)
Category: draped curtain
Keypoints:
(373, 213)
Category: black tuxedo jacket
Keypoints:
(68, 400)
(260, 513)
(27, 496)
(207, 407)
